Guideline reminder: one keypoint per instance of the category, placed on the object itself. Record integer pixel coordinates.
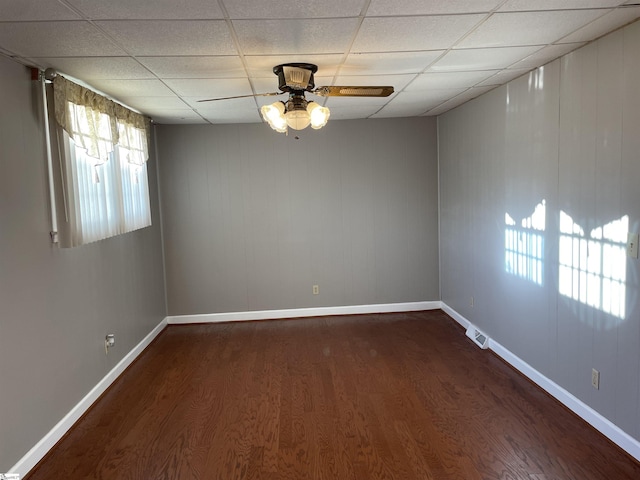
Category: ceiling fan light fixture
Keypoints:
(319, 115)
(297, 113)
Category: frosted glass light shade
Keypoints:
(298, 119)
(274, 115)
(319, 115)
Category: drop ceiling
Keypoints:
(162, 56)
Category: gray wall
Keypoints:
(252, 218)
(58, 304)
(568, 134)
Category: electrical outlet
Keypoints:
(316, 290)
(471, 302)
(595, 379)
(109, 341)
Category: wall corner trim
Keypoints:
(40, 449)
(303, 312)
(577, 406)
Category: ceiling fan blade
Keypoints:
(371, 91)
(271, 94)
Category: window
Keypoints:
(103, 149)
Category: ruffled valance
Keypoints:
(98, 124)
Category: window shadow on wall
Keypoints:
(592, 270)
(524, 245)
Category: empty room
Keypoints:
(356, 239)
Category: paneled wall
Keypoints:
(58, 304)
(253, 219)
(539, 187)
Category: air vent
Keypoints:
(478, 337)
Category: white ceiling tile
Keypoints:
(473, 93)
(281, 37)
(160, 37)
(416, 103)
(392, 34)
(527, 28)
(262, 66)
(341, 102)
(399, 110)
(210, 87)
(382, 63)
(504, 76)
(88, 68)
(448, 80)
(602, 25)
(425, 100)
(195, 66)
(352, 112)
(131, 88)
(529, 5)
(153, 104)
(56, 39)
(223, 106)
(235, 116)
(481, 58)
(25, 10)
(545, 55)
(459, 100)
(156, 9)
(172, 120)
(171, 116)
(422, 7)
(293, 8)
(398, 82)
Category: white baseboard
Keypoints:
(303, 312)
(456, 316)
(584, 411)
(26, 463)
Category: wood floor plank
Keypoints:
(391, 396)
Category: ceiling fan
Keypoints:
(298, 113)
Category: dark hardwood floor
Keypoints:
(392, 396)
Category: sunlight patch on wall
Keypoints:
(524, 245)
(536, 79)
(592, 270)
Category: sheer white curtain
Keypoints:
(104, 165)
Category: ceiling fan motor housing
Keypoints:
(295, 76)
(296, 102)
